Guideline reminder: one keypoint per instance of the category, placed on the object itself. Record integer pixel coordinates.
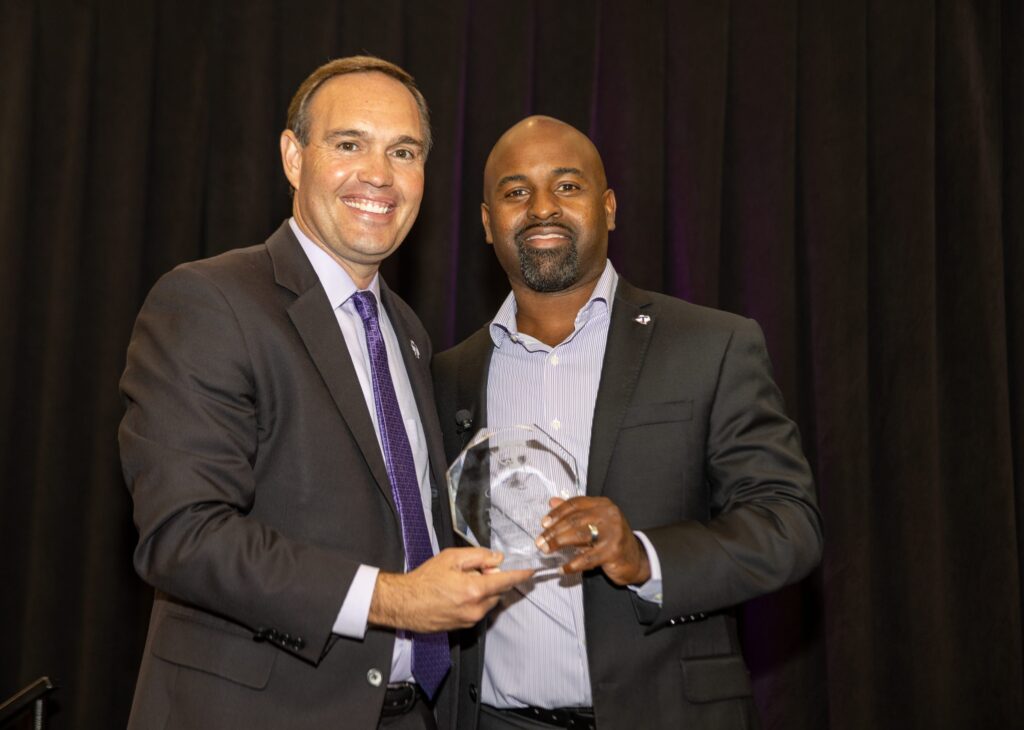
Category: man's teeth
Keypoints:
(546, 235)
(368, 205)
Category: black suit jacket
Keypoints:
(259, 488)
(691, 441)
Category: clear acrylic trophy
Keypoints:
(500, 487)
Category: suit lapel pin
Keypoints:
(642, 319)
(415, 350)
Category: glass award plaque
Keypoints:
(500, 487)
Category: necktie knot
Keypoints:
(366, 306)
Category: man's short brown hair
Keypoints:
(298, 110)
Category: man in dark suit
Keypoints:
(281, 447)
(695, 495)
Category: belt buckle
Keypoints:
(399, 698)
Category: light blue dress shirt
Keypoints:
(536, 651)
(352, 617)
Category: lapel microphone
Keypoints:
(463, 421)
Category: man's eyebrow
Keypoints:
(406, 139)
(557, 171)
(336, 133)
(510, 179)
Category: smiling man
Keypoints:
(283, 453)
(695, 493)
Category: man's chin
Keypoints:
(550, 279)
(549, 270)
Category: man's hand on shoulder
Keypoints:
(597, 526)
(453, 590)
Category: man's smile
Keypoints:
(540, 234)
(366, 205)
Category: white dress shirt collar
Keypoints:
(336, 281)
(503, 327)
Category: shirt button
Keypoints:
(374, 677)
(554, 360)
(556, 424)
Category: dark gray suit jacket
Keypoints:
(259, 488)
(691, 441)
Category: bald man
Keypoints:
(695, 495)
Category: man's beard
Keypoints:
(549, 269)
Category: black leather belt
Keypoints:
(577, 718)
(400, 697)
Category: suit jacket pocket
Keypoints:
(709, 679)
(642, 414)
(210, 649)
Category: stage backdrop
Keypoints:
(849, 173)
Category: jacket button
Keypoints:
(374, 677)
(472, 692)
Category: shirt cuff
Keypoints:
(651, 590)
(355, 610)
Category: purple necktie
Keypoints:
(430, 657)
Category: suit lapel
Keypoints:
(474, 368)
(318, 327)
(628, 340)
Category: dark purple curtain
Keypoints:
(851, 174)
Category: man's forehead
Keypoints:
(362, 95)
(365, 84)
(549, 149)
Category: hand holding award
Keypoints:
(500, 488)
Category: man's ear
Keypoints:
(291, 157)
(609, 209)
(485, 218)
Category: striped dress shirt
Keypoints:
(536, 644)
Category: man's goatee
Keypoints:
(550, 269)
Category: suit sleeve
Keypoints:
(188, 444)
(765, 529)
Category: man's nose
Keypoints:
(376, 170)
(544, 205)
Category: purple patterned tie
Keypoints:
(430, 657)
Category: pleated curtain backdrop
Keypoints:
(849, 173)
